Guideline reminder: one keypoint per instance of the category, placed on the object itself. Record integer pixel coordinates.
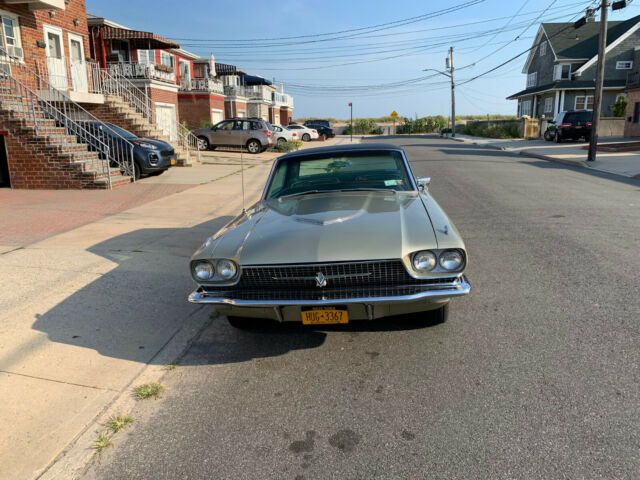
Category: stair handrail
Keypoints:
(113, 82)
(74, 127)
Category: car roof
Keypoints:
(344, 148)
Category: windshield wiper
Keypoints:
(311, 192)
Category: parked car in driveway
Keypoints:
(304, 133)
(323, 130)
(324, 123)
(252, 133)
(150, 156)
(304, 252)
(283, 134)
(571, 124)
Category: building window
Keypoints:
(147, 57)
(543, 48)
(10, 36)
(626, 65)
(532, 79)
(584, 102)
(119, 51)
(525, 108)
(167, 59)
(562, 72)
(636, 112)
(548, 105)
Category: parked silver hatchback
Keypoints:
(253, 133)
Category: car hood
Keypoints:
(327, 227)
(161, 144)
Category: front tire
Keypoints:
(441, 315)
(203, 143)
(254, 146)
(547, 136)
(324, 137)
(306, 137)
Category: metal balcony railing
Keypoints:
(134, 70)
(282, 99)
(258, 92)
(235, 91)
(208, 85)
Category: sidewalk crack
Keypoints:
(58, 381)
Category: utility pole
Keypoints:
(453, 93)
(597, 100)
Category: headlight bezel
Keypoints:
(438, 268)
(146, 145)
(424, 253)
(216, 277)
(442, 259)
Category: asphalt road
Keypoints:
(535, 375)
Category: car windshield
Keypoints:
(118, 131)
(382, 170)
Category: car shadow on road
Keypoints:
(131, 311)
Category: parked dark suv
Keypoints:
(323, 128)
(150, 156)
(571, 124)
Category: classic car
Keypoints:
(341, 233)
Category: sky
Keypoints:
(376, 61)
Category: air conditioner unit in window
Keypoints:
(5, 69)
(15, 52)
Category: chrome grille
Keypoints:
(338, 275)
(332, 293)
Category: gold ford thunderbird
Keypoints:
(341, 233)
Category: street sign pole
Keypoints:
(394, 115)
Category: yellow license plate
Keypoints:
(578, 126)
(324, 316)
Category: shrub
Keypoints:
(206, 124)
(479, 129)
(620, 107)
(289, 146)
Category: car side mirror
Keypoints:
(423, 182)
(213, 129)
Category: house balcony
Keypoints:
(259, 93)
(633, 80)
(235, 91)
(133, 71)
(282, 100)
(202, 85)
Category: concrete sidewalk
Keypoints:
(570, 153)
(87, 314)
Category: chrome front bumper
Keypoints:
(431, 294)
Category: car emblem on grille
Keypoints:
(321, 280)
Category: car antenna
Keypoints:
(244, 210)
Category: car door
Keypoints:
(240, 133)
(220, 134)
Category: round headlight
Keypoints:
(226, 269)
(203, 270)
(451, 260)
(424, 261)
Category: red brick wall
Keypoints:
(286, 116)
(232, 107)
(31, 31)
(196, 108)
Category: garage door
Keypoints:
(166, 120)
(216, 116)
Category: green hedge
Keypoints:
(289, 146)
(477, 129)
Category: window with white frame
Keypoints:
(543, 49)
(532, 79)
(167, 59)
(525, 107)
(548, 105)
(147, 57)
(10, 41)
(626, 65)
(584, 102)
(562, 72)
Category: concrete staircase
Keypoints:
(52, 157)
(128, 118)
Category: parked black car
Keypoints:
(150, 156)
(323, 130)
(571, 124)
